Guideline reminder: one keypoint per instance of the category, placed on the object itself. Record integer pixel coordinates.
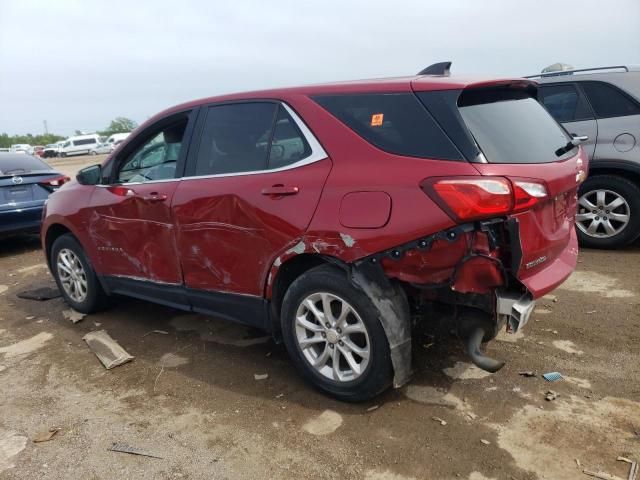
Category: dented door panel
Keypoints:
(133, 232)
(230, 232)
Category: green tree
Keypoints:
(7, 140)
(119, 125)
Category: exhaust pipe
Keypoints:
(477, 357)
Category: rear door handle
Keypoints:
(154, 197)
(280, 189)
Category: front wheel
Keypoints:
(333, 335)
(608, 212)
(75, 277)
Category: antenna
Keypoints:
(442, 68)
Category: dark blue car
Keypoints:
(25, 184)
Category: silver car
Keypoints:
(101, 148)
(603, 104)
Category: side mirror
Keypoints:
(90, 175)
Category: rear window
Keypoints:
(394, 122)
(512, 127)
(17, 164)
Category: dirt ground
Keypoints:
(190, 395)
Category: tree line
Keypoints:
(117, 125)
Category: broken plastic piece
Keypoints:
(107, 349)
(260, 376)
(40, 294)
(45, 435)
(126, 448)
(527, 373)
(72, 315)
(552, 376)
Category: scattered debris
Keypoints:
(40, 294)
(371, 409)
(577, 462)
(633, 469)
(551, 395)
(260, 376)
(486, 442)
(601, 475)
(552, 376)
(30, 317)
(590, 312)
(527, 373)
(280, 395)
(624, 459)
(45, 435)
(439, 420)
(471, 415)
(161, 332)
(106, 349)
(72, 315)
(125, 448)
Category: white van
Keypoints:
(79, 145)
(116, 138)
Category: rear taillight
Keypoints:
(54, 183)
(484, 197)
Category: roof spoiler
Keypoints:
(441, 68)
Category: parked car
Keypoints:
(25, 184)
(50, 150)
(102, 148)
(4, 149)
(603, 104)
(332, 216)
(38, 150)
(21, 148)
(79, 145)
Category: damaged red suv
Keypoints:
(331, 215)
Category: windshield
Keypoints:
(510, 126)
(21, 164)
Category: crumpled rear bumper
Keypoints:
(552, 275)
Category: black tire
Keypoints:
(378, 374)
(626, 189)
(96, 299)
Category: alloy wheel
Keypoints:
(72, 275)
(332, 337)
(602, 213)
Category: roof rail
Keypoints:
(442, 68)
(578, 70)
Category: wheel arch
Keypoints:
(626, 169)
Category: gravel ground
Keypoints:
(190, 395)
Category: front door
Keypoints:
(131, 221)
(249, 192)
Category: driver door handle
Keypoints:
(155, 197)
(280, 189)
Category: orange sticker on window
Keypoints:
(376, 119)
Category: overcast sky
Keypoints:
(79, 64)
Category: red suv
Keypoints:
(333, 216)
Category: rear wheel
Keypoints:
(333, 335)
(75, 276)
(608, 212)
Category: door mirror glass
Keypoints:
(90, 175)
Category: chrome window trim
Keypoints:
(317, 153)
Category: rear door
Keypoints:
(567, 104)
(131, 222)
(250, 191)
(521, 141)
(618, 121)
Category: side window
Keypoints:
(288, 144)
(609, 101)
(394, 122)
(565, 103)
(236, 138)
(156, 158)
